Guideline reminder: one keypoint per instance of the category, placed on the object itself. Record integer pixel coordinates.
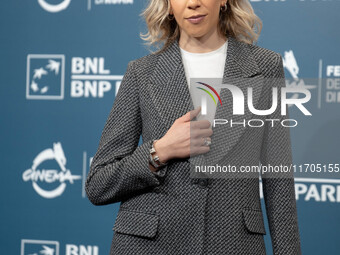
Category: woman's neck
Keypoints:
(201, 44)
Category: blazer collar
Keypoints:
(170, 93)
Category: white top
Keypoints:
(205, 65)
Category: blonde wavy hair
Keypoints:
(238, 21)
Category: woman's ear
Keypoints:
(170, 9)
(223, 2)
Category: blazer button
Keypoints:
(203, 182)
(194, 180)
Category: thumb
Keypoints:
(191, 114)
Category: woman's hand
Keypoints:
(185, 138)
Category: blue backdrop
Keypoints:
(61, 65)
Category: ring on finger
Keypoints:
(207, 141)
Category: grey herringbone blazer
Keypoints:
(169, 212)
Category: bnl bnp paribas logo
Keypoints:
(45, 78)
(61, 5)
(47, 247)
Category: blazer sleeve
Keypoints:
(278, 188)
(120, 169)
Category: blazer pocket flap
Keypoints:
(136, 223)
(253, 220)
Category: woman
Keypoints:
(163, 209)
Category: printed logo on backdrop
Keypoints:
(35, 247)
(62, 5)
(90, 78)
(332, 82)
(45, 77)
(316, 189)
(91, 3)
(48, 173)
(290, 64)
(326, 85)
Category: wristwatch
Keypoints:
(154, 159)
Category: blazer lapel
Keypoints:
(171, 96)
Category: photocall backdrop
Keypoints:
(62, 62)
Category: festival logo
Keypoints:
(54, 7)
(38, 175)
(290, 64)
